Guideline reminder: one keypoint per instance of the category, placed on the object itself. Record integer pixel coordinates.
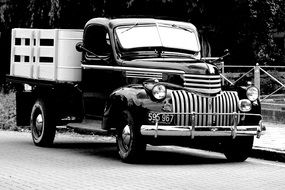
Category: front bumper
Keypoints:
(193, 131)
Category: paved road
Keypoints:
(78, 162)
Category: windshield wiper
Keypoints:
(137, 54)
(131, 27)
(165, 53)
(212, 62)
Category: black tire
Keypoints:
(130, 144)
(42, 123)
(238, 149)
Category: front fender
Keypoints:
(256, 107)
(133, 98)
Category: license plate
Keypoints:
(162, 118)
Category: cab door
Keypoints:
(97, 80)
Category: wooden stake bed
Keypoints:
(46, 54)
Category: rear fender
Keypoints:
(24, 104)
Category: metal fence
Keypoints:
(256, 71)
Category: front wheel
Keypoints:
(43, 125)
(130, 144)
(238, 149)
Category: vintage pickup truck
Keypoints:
(142, 80)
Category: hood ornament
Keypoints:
(211, 69)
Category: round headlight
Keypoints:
(252, 93)
(244, 105)
(159, 92)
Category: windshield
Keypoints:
(157, 35)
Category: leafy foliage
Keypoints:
(13, 14)
(266, 18)
(7, 111)
(268, 85)
(74, 13)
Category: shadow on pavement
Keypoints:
(153, 155)
(161, 156)
(98, 149)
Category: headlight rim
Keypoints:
(248, 102)
(153, 93)
(249, 96)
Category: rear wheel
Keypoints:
(238, 149)
(129, 140)
(43, 125)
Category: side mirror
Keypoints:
(226, 52)
(79, 47)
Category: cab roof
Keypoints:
(112, 23)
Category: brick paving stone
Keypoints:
(91, 162)
(273, 139)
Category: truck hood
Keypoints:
(188, 66)
(191, 74)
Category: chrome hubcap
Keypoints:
(126, 136)
(39, 124)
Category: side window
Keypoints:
(97, 41)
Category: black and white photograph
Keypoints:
(142, 94)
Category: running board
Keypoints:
(89, 126)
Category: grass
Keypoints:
(8, 115)
(8, 112)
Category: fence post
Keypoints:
(223, 72)
(257, 76)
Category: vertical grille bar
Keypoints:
(175, 102)
(235, 103)
(195, 107)
(223, 104)
(199, 109)
(182, 106)
(226, 108)
(231, 109)
(187, 107)
(205, 108)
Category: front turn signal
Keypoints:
(245, 105)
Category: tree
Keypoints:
(74, 13)
(267, 17)
(246, 27)
(11, 16)
(38, 14)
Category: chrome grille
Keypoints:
(210, 84)
(143, 74)
(186, 102)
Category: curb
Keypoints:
(268, 154)
(274, 115)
